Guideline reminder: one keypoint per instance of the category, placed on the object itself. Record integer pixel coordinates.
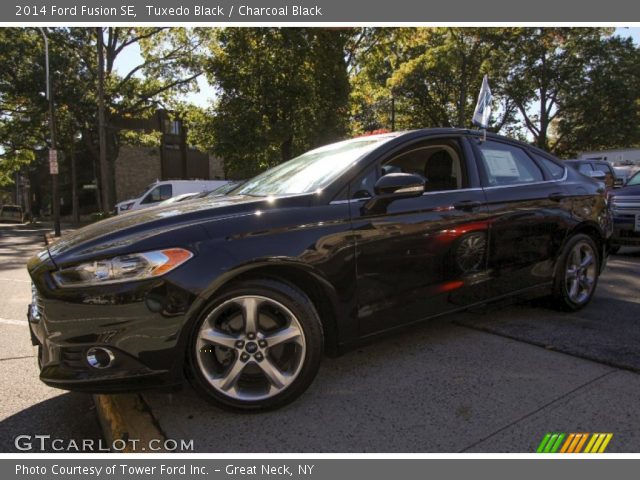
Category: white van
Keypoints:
(160, 191)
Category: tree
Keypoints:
(280, 91)
(602, 110)
(170, 64)
(543, 64)
(428, 77)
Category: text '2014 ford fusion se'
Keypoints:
(243, 294)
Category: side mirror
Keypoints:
(597, 175)
(394, 186)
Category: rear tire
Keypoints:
(577, 274)
(258, 346)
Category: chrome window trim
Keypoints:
(355, 200)
(473, 189)
(556, 180)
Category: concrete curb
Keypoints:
(126, 417)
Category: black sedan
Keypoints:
(243, 294)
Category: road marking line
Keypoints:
(3, 279)
(10, 321)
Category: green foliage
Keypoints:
(280, 91)
(431, 74)
(602, 110)
(170, 64)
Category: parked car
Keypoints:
(625, 203)
(623, 174)
(243, 294)
(158, 192)
(179, 198)
(12, 213)
(598, 169)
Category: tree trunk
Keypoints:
(285, 149)
(105, 169)
(462, 99)
(544, 121)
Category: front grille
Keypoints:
(628, 234)
(72, 358)
(625, 205)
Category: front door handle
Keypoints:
(466, 205)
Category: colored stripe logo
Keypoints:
(574, 443)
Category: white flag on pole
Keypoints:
(482, 113)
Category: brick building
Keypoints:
(137, 167)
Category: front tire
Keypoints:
(258, 346)
(577, 274)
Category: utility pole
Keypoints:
(105, 172)
(74, 183)
(53, 153)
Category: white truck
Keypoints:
(162, 190)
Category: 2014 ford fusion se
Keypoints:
(243, 294)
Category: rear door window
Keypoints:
(585, 169)
(556, 171)
(603, 168)
(506, 164)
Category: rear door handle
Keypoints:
(466, 205)
(557, 196)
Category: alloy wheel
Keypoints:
(581, 272)
(250, 348)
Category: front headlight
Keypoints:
(125, 268)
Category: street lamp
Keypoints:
(53, 153)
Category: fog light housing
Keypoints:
(100, 358)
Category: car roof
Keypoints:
(587, 160)
(438, 131)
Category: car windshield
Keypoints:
(146, 189)
(635, 180)
(310, 171)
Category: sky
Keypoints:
(130, 58)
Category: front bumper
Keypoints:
(146, 341)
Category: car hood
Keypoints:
(114, 235)
(626, 191)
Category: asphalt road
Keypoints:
(29, 407)
(490, 381)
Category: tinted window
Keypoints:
(438, 161)
(635, 180)
(556, 171)
(158, 194)
(363, 187)
(602, 168)
(585, 169)
(508, 165)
